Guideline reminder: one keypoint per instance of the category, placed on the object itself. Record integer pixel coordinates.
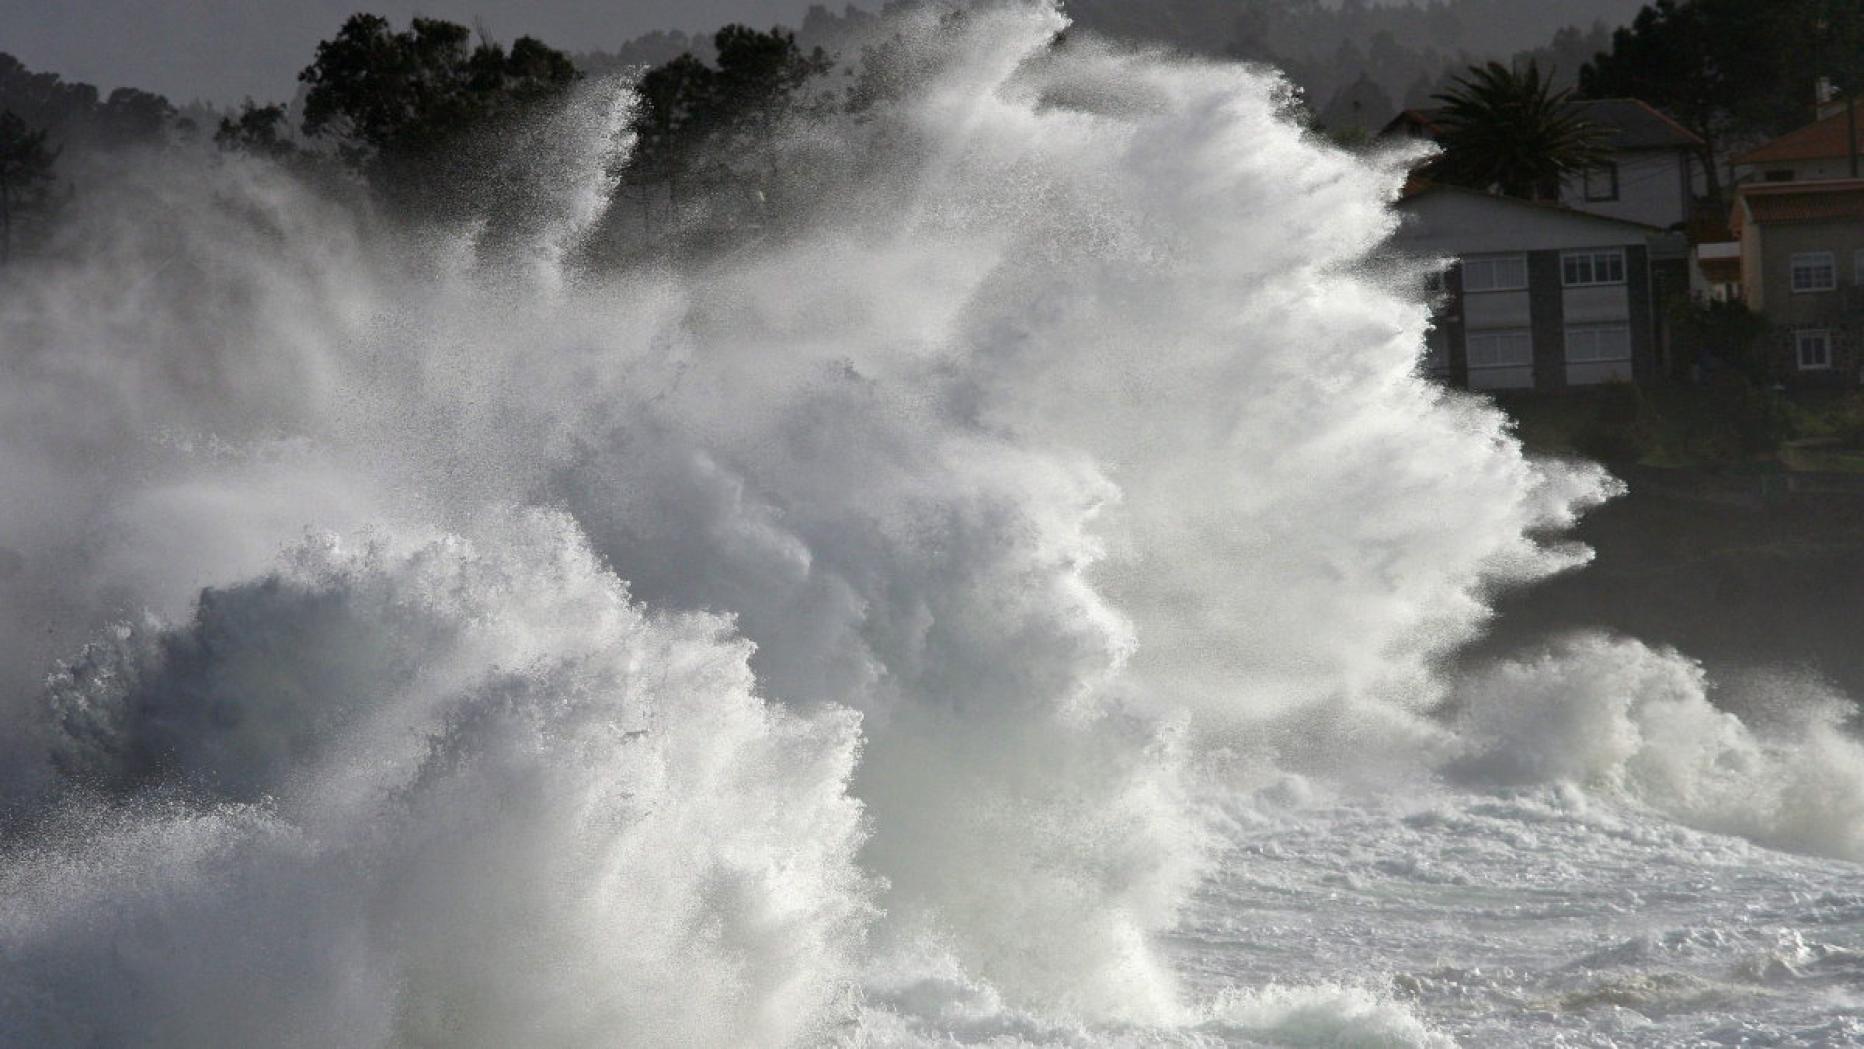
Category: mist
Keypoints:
(1016, 589)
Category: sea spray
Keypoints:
(458, 791)
(841, 637)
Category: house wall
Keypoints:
(1607, 304)
(1448, 223)
(1485, 311)
(1847, 345)
(1594, 305)
(1753, 289)
(1653, 188)
(1644, 276)
(1497, 309)
(1462, 225)
(1801, 170)
(1549, 300)
(1776, 245)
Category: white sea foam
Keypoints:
(457, 792)
(1617, 716)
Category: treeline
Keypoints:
(416, 115)
(78, 116)
(1734, 72)
(47, 123)
(1356, 63)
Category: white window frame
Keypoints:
(1517, 343)
(1805, 337)
(1589, 336)
(1812, 264)
(1475, 265)
(1592, 268)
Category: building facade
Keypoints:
(1651, 176)
(1539, 297)
(1802, 267)
(1831, 147)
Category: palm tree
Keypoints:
(1512, 132)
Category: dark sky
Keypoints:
(222, 50)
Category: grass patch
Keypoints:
(1728, 425)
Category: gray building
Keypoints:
(1539, 296)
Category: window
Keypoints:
(1581, 268)
(1813, 349)
(1433, 283)
(1601, 342)
(1495, 273)
(1857, 267)
(1601, 183)
(1500, 349)
(1437, 352)
(1814, 271)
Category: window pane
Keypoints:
(1497, 349)
(1476, 275)
(1495, 273)
(1615, 344)
(1814, 349)
(1584, 345)
(1578, 345)
(1814, 271)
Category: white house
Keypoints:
(1652, 175)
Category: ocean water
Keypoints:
(1012, 600)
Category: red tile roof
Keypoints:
(1823, 140)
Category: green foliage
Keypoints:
(401, 104)
(1712, 336)
(1512, 131)
(25, 178)
(75, 115)
(718, 125)
(257, 130)
(1727, 421)
(1730, 70)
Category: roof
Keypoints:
(1636, 124)
(1418, 123)
(1821, 201)
(1819, 140)
(1631, 124)
(1417, 187)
